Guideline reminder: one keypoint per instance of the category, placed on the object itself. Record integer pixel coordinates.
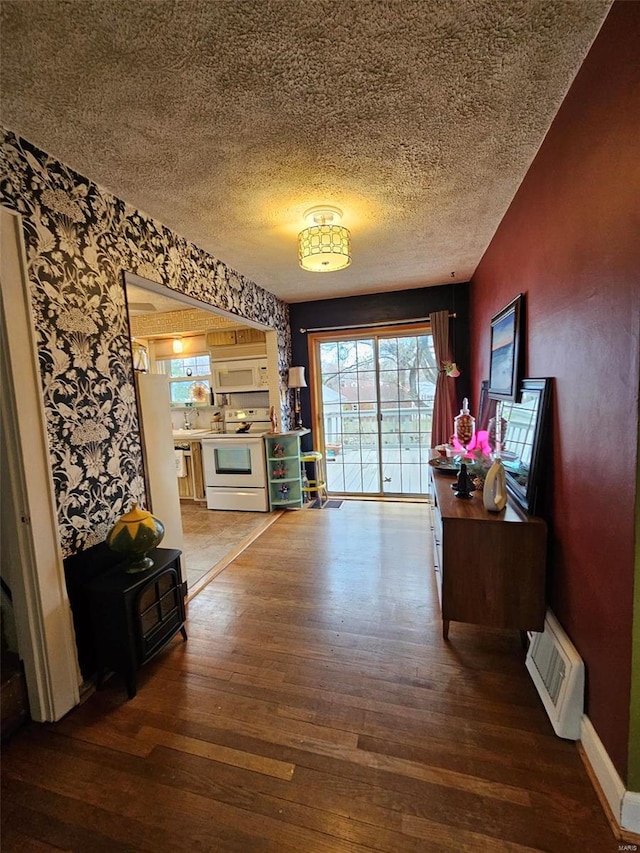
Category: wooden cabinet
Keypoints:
(249, 336)
(192, 485)
(223, 338)
(235, 336)
(283, 470)
(490, 567)
(198, 471)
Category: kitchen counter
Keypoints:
(232, 435)
(190, 434)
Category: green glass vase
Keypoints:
(135, 534)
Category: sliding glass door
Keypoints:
(374, 408)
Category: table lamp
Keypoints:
(296, 382)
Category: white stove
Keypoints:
(235, 472)
(243, 421)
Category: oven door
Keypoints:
(234, 462)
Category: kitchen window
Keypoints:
(189, 378)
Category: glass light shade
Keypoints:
(296, 377)
(324, 248)
(177, 345)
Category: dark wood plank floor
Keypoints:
(314, 709)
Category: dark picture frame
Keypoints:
(526, 453)
(506, 351)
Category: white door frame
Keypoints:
(30, 550)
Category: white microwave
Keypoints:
(242, 375)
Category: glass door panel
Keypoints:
(349, 401)
(377, 403)
(407, 386)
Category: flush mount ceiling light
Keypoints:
(177, 345)
(324, 246)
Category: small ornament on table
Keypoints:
(463, 487)
(494, 494)
(274, 419)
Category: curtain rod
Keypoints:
(371, 325)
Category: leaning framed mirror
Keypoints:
(525, 446)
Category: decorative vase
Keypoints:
(494, 493)
(464, 425)
(135, 534)
(496, 433)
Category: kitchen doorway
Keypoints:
(373, 403)
(210, 539)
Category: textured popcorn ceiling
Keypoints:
(226, 120)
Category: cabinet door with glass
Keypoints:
(283, 471)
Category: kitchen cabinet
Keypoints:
(490, 567)
(249, 336)
(192, 485)
(221, 338)
(235, 336)
(236, 344)
(283, 470)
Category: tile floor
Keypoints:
(210, 536)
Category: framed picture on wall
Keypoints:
(504, 364)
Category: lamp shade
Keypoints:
(324, 246)
(177, 345)
(296, 377)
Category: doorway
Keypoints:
(373, 403)
(30, 555)
(209, 539)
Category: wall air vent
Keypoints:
(557, 671)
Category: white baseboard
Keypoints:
(624, 805)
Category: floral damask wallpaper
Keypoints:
(79, 241)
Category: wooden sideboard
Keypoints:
(490, 567)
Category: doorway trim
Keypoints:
(42, 611)
(275, 390)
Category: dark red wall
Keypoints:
(570, 242)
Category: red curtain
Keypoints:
(444, 401)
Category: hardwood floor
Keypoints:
(213, 537)
(313, 709)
